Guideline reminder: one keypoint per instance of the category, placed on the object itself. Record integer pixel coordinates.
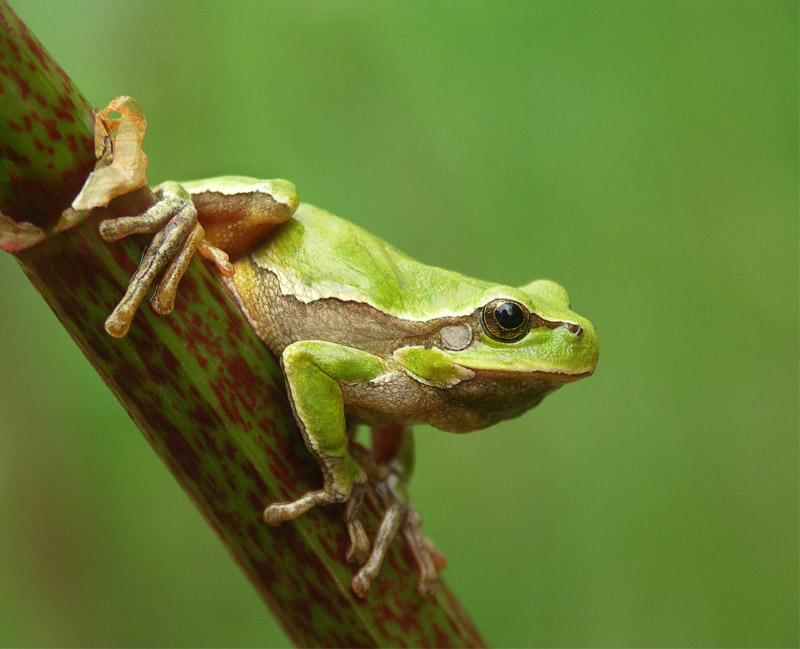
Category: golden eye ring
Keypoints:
(505, 320)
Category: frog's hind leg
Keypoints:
(314, 369)
(178, 235)
(220, 218)
(238, 212)
(393, 450)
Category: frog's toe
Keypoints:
(218, 257)
(427, 586)
(117, 325)
(177, 234)
(362, 582)
(358, 551)
(277, 513)
(428, 559)
(148, 222)
(164, 298)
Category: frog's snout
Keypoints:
(581, 340)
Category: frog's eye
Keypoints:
(505, 320)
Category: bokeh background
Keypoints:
(644, 155)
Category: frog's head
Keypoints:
(516, 346)
(529, 330)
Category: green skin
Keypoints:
(365, 335)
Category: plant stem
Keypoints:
(199, 384)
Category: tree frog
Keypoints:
(365, 335)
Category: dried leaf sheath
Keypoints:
(199, 384)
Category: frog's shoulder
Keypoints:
(317, 255)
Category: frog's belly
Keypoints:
(474, 404)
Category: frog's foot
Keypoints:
(392, 518)
(400, 514)
(428, 559)
(178, 235)
(358, 551)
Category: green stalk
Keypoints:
(199, 384)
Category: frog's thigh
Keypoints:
(238, 213)
(314, 369)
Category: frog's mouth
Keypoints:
(557, 378)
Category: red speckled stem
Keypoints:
(202, 388)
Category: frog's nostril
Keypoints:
(574, 329)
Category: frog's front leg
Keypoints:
(314, 371)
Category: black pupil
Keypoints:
(509, 315)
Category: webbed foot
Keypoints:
(400, 514)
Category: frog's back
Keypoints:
(317, 255)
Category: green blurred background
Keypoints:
(644, 155)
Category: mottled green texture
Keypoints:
(320, 255)
(209, 399)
